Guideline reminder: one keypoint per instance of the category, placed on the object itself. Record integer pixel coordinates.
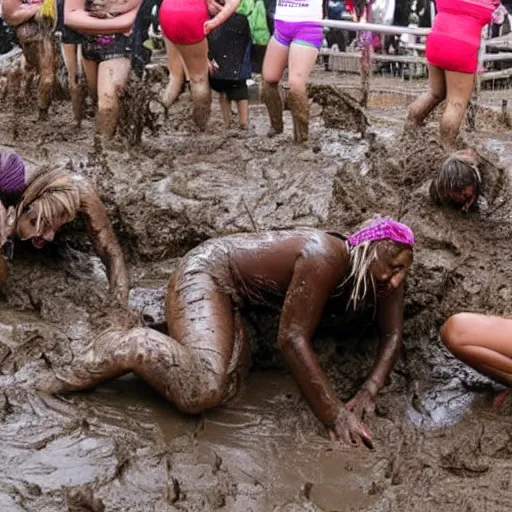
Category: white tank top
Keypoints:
(298, 10)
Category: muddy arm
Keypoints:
(104, 240)
(15, 13)
(390, 318)
(314, 279)
(228, 9)
(80, 20)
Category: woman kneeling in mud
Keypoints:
(459, 182)
(50, 199)
(201, 364)
(36, 39)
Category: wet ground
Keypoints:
(439, 444)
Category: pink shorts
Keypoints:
(182, 21)
(451, 54)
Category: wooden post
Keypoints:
(366, 58)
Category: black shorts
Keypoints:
(235, 90)
(102, 48)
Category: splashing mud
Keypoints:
(439, 446)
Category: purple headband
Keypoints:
(383, 229)
(12, 171)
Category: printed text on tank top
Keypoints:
(298, 10)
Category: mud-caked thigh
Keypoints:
(200, 316)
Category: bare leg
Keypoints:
(459, 87)
(112, 77)
(301, 62)
(195, 57)
(243, 113)
(70, 54)
(176, 75)
(274, 64)
(483, 342)
(47, 69)
(420, 108)
(198, 368)
(225, 108)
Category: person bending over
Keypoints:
(201, 364)
(46, 200)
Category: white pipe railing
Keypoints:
(354, 26)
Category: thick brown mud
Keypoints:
(439, 445)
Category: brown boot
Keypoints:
(299, 105)
(272, 98)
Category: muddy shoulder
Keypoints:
(120, 447)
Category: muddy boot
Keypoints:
(299, 105)
(272, 98)
(202, 100)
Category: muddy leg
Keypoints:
(225, 108)
(47, 68)
(272, 98)
(459, 87)
(242, 107)
(176, 75)
(91, 75)
(483, 342)
(195, 57)
(112, 77)
(420, 108)
(302, 60)
(274, 64)
(70, 54)
(195, 373)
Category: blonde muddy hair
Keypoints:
(361, 258)
(50, 194)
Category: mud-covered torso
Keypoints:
(256, 269)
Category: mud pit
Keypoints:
(438, 444)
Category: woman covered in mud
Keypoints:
(46, 200)
(35, 36)
(452, 55)
(459, 182)
(201, 363)
(106, 51)
(186, 23)
(296, 43)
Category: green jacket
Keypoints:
(256, 15)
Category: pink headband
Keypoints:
(383, 229)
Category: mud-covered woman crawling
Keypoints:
(42, 202)
(202, 363)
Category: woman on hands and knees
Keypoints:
(46, 200)
(459, 182)
(202, 362)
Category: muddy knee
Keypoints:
(453, 332)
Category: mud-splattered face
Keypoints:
(27, 228)
(390, 267)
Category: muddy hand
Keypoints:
(362, 404)
(349, 429)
